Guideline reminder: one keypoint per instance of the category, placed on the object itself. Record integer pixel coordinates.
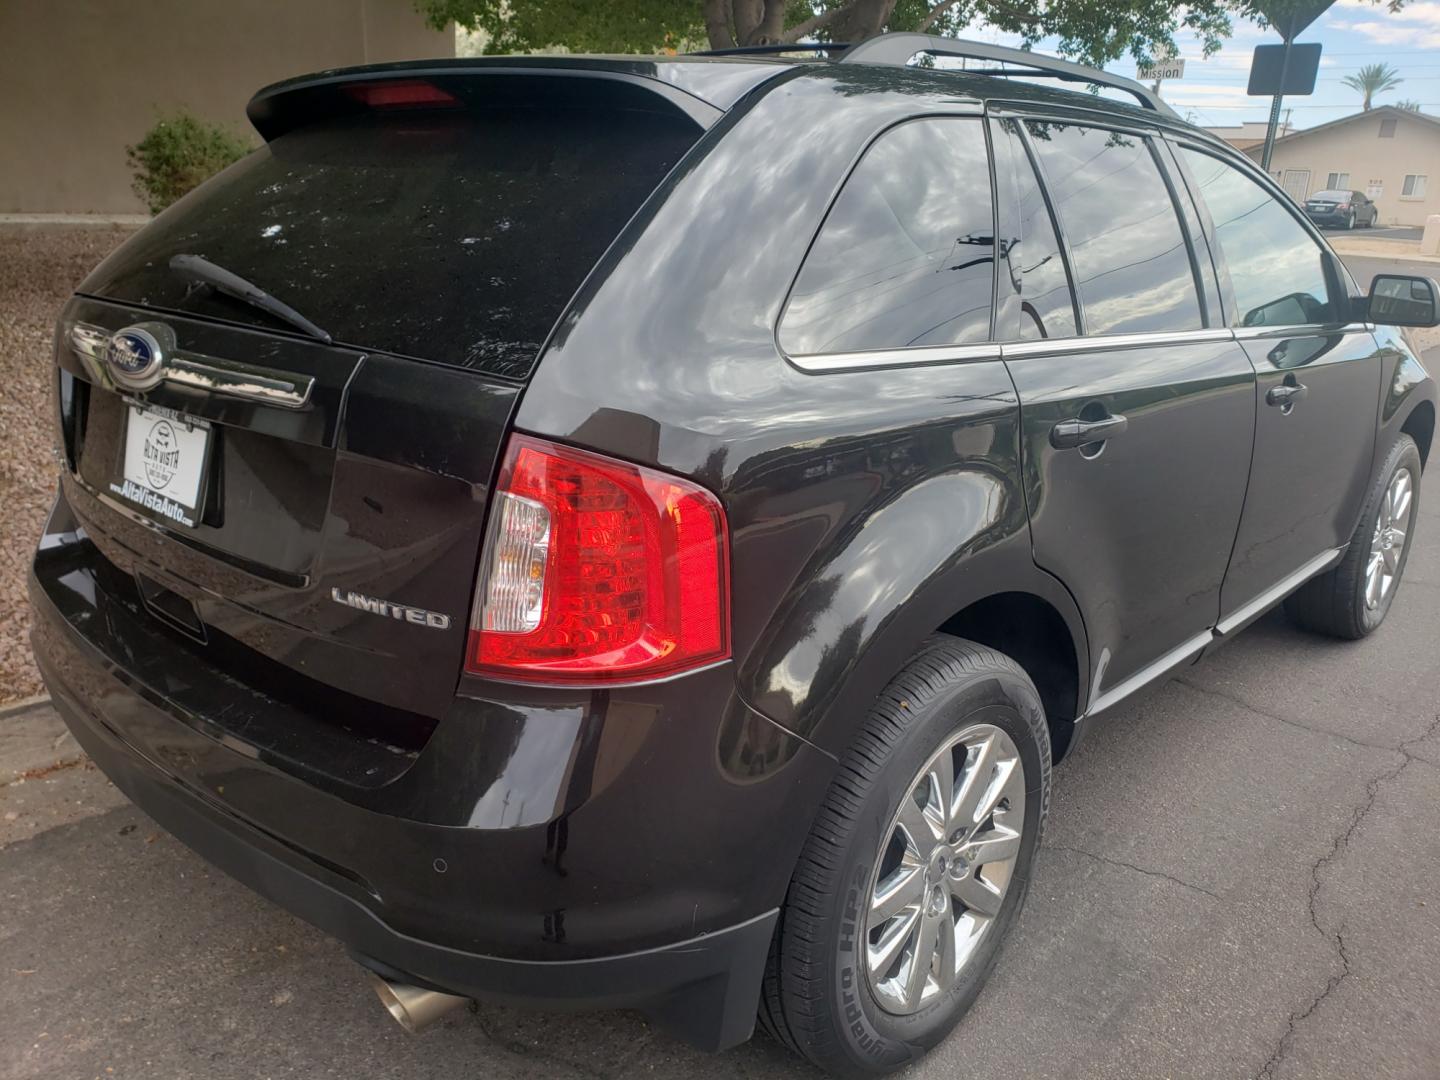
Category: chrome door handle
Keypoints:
(1286, 394)
(1073, 433)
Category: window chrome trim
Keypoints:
(823, 363)
(1250, 333)
(231, 378)
(921, 356)
(1017, 350)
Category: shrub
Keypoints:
(178, 154)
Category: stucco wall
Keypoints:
(81, 79)
(1356, 148)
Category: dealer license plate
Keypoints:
(166, 454)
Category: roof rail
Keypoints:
(898, 49)
(774, 50)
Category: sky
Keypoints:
(1352, 33)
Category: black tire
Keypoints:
(1350, 221)
(816, 997)
(1334, 603)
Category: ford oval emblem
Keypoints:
(135, 358)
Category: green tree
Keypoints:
(1408, 105)
(1371, 80)
(1094, 33)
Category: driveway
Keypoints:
(1240, 878)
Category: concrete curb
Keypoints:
(15, 708)
(92, 220)
(1394, 250)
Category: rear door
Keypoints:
(1317, 391)
(1138, 408)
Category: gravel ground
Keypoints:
(38, 268)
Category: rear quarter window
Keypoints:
(906, 255)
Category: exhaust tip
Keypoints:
(414, 1008)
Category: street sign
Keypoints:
(1271, 72)
(1170, 68)
(1289, 18)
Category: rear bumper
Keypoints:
(441, 905)
(1328, 219)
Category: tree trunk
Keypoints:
(748, 14)
(861, 19)
(772, 24)
(717, 24)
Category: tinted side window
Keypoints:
(906, 255)
(1033, 275)
(1276, 268)
(1132, 265)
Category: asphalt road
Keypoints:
(1240, 878)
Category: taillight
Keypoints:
(596, 570)
(1343, 206)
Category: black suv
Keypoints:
(628, 532)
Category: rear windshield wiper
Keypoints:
(233, 285)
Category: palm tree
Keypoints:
(1373, 79)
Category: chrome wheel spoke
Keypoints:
(897, 935)
(903, 889)
(974, 785)
(945, 958)
(977, 895)
(996, 845)
(1399, 497)
(1374, 576)
(921, 826)
(922, 962)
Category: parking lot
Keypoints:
(1240, 878)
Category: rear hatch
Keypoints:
(329, 496)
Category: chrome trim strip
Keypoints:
(1250, 333)
(916, 357)
(1016, 350)
(89, 340)
(1245, 613)
(193, 371)
(1150, 672)
(233, 379)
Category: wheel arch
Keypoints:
(1030, 630)
(996, 597)
(1419, 424)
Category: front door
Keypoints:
(1137, 432)
(1317, 387)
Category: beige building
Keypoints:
(1247, 134)
(82, 79)
(1391, 154)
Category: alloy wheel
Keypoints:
(944, 867)
(1388, 543)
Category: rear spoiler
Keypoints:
(513, 82)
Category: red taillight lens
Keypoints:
(597, 570)
(400, 94)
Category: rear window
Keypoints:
(456, 237)
(1338, 195)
